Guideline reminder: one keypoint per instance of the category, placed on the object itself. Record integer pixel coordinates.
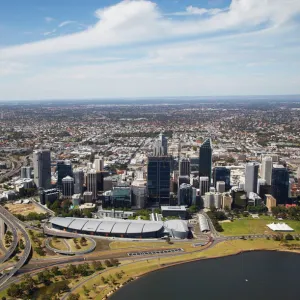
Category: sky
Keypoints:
(90, 49)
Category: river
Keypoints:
(265, 275)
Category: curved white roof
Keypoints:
(203, 223)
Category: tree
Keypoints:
(14, 291)
(21, 244)
(107, 263)
(55, 271)
(97, 265)
(114, 261)
(83, 241)
(289, 237)
(74, 297)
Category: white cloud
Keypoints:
(139, 21)
(65, 23)
(192, 10)
(49, 19)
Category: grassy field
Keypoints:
(82, 247)
(151, 245)
(58, 244)
(23, 209)
(255, 226)
(97, 290)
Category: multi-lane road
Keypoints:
(15, 225)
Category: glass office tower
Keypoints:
(158, 180)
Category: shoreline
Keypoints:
(164, 266)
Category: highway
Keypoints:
(4, 215)
(15, 225)
(15, 170)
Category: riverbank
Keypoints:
(132, 271)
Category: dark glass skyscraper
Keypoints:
(280, 184)
(158, 180)
(64, 169)
(222, 174)
(205, 159)
(42, 168)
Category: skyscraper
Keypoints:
(26, 172)
(160, 146)
(222, 174)
(158, 180)
(68, 187)
(251, 178)
(266, 169)
(185, 194)
(42, 168)
(280, 184)
(205, 159)
(184, 167)
(98, 164)
(204, 185)
(78, 181)
(92, 182)
(63, 169)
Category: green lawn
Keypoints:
(255, 226)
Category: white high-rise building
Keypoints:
(220, 186)
(266, 169)
(160, 146)
(209, 200)
(98, 164)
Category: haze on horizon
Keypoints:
(158, 48)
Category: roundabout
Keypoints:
(70, 246)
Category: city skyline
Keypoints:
(148, 48)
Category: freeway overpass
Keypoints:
(15, 225)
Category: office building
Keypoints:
(99, 164)
(266, 169)
(217, 200)
(139, 191)
(194, 163)
(280, 184)
(209, 200)
(76, 199)
(270, 202)
(251, 178)
(78, 176)
(204, 185)
(121, 196)
(49, 196)
(88, 197)
(68, 187)
(183, 179)
(158, 180)
(222, 174)
(185, 194)
(26, 172)
(254, 199)
(184, 167)
(160, 146)
(174, 211)
(63, 169)
(221, 186)
(239, 198)
(91, 181)
(226, 201)
(42, 168)
(205, 159)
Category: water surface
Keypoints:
(257, 275)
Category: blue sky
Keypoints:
(75, 49)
